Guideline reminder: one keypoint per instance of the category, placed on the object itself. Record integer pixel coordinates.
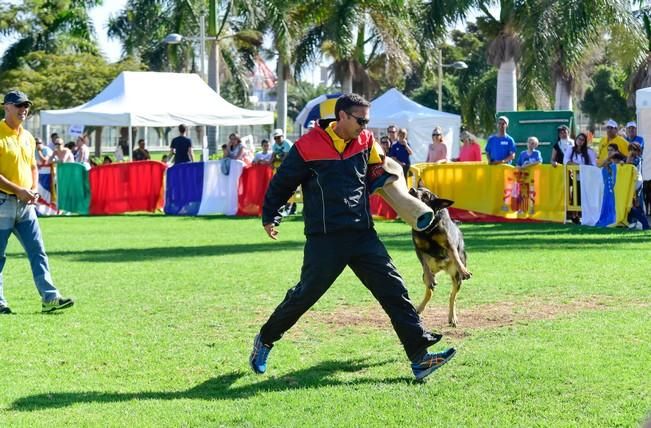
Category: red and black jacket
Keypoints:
(334, 185)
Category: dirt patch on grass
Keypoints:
(486, 316)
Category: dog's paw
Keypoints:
(452, 321)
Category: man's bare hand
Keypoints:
(271, 231)
(27, 196)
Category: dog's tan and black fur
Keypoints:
(440, 248)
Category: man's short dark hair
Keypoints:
(182, 129)
(54, 135)
(347, 101)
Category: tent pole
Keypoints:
(130, 143)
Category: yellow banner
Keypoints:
(536, 192)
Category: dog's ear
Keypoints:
(413, 193)
(439, 203)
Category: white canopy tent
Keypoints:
(643, 106)
(156, 100)
(393, 108)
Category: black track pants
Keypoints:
(325, 257)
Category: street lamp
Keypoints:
(457, 65)
(175, 39)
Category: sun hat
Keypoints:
(278, 133)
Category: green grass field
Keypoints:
(554, 330)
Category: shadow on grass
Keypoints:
(134, 255)
(510, 236)
(217, 388)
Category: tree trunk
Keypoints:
(281, 94)
(507, 89)
(347, 82)
(563, 96)
(212, 132)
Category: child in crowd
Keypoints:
(531, 156)
(637, 212)
(264, 157)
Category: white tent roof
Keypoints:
(157, 100)
(393, 108)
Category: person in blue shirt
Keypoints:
(400, 151)
(500, 147)
(531, 156)
(631, 135)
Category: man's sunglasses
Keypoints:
(23, 105)
(360, 120)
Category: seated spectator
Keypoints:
(632, 137)
(614, 155)
(611, 137)
(280, 148)
(235, 150)
(141, 154)
(437, 151)
(43, 153)
(263, 157)
(531, 156)
(107, 160)
(580, 153)
(563, 144)
(470, 150)
(385, 143)
(62, 154)
(637, 209)
(82, 155)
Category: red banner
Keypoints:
(126, 187)
(252, 188)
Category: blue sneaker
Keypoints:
(259, 355)
(431, 362)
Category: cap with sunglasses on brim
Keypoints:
(611, 124)
(16, 97)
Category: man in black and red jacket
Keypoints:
(336, 167)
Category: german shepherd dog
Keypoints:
(440, 248)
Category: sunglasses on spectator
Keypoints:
(610, 127)
(360, 120)
(434, 135)
(22, 105)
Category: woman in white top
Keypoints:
(61, 154)
(580, 154)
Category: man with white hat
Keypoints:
(611, 137)
(500, 147)
(281, 146)
(631, 134)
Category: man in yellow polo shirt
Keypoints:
(18, 184)
(611, 138)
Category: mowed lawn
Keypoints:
(554, 330)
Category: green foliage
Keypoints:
(428, 96)
(478, 108)
(167, 308)
(606, 97)
(57, 82)
(58, 27)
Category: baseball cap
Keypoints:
(437, 131)
(633, 124)
(611, 124)
(563, 127)
(278, 133)
(16, 97)
(504, 118)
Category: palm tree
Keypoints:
(359, 36)
(54, 27)
(641, 77)
(566, 39)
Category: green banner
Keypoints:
(73, 188)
